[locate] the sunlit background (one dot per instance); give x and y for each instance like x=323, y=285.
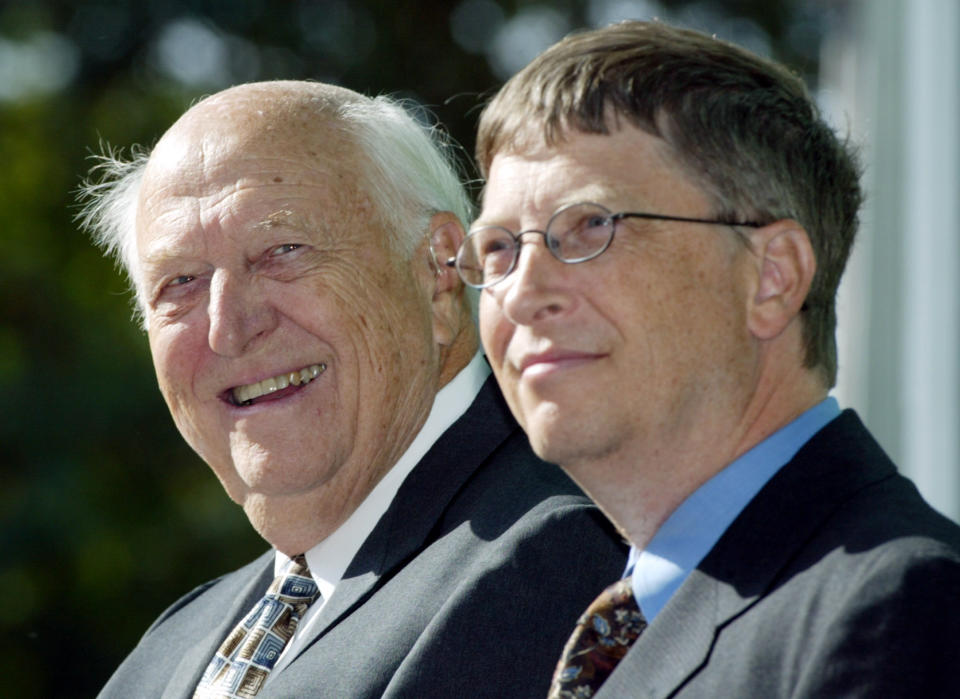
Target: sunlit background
x=107, y=516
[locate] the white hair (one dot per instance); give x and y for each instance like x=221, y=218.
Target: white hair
x=410, y=170
x=109, y=210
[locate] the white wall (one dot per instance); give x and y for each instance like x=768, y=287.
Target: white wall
x=891, y=76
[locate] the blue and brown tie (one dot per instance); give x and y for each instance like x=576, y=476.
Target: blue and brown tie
x=602, y=637
x=242, y=662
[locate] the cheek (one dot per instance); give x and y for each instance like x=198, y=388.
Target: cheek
x=495, y=330
x=695, y=318
x=166, y=350
x=176, y=352
x=381, y=327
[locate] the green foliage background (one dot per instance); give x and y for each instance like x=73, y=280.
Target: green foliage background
x=107, y=516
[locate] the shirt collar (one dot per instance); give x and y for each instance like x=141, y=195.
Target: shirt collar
x=696, y=525
x=329, y=559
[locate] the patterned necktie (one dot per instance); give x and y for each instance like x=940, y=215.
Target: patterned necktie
x=241, y=664
x=602, y=637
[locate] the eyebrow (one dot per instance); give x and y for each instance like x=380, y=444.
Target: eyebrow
x=157, y=256
x=161, y=252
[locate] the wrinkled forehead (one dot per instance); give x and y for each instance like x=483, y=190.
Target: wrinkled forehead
x=238, y=169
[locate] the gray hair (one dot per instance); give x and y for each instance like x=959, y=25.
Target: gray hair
x=411, y=172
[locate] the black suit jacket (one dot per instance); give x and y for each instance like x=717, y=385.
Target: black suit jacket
x=467, y=587
x=837, y=580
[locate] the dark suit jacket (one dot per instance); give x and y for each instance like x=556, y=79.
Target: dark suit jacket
x=837, y=580
x=467, y=587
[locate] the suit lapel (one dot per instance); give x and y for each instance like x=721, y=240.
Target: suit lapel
x=232, y=598
x=745, y=563
x=420, y=502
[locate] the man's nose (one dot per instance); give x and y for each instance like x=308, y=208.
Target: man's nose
x=536, y=290
x=239, y=315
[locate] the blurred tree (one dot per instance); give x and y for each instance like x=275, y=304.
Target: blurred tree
x=107, y=515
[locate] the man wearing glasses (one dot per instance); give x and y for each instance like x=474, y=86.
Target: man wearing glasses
x=665, y=222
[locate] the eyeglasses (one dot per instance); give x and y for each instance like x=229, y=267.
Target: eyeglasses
x=575, y=233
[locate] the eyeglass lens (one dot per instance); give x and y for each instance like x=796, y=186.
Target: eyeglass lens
x=574, y=234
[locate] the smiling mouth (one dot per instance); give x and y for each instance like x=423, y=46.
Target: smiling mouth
x=270, y=388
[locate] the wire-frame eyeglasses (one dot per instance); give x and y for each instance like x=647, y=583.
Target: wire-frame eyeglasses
x=575, y=233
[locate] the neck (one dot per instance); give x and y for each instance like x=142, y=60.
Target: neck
x=641, y=485
x=296, y=523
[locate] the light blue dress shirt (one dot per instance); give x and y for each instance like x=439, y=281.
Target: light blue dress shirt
x=694, y=527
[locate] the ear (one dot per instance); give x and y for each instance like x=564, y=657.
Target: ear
x=786, y=265
x=449, y=305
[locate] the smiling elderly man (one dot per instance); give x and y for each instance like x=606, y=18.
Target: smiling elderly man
x=664, y=225
x=281, y=239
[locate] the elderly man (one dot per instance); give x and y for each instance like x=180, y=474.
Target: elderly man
x=664, y=225
x=282, y=240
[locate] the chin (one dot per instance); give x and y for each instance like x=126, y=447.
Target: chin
x=553, y=446
x=549, y=435
x=268, y=469
x=570, y=447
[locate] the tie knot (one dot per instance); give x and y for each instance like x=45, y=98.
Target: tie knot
x=295, y=585
x=612, y=619
x=616, y=595
x=298, y=565
x=602, y=637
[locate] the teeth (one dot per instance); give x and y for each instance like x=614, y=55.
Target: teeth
x=244, y=394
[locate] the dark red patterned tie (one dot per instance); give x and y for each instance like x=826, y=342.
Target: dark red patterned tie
x=602, y=637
